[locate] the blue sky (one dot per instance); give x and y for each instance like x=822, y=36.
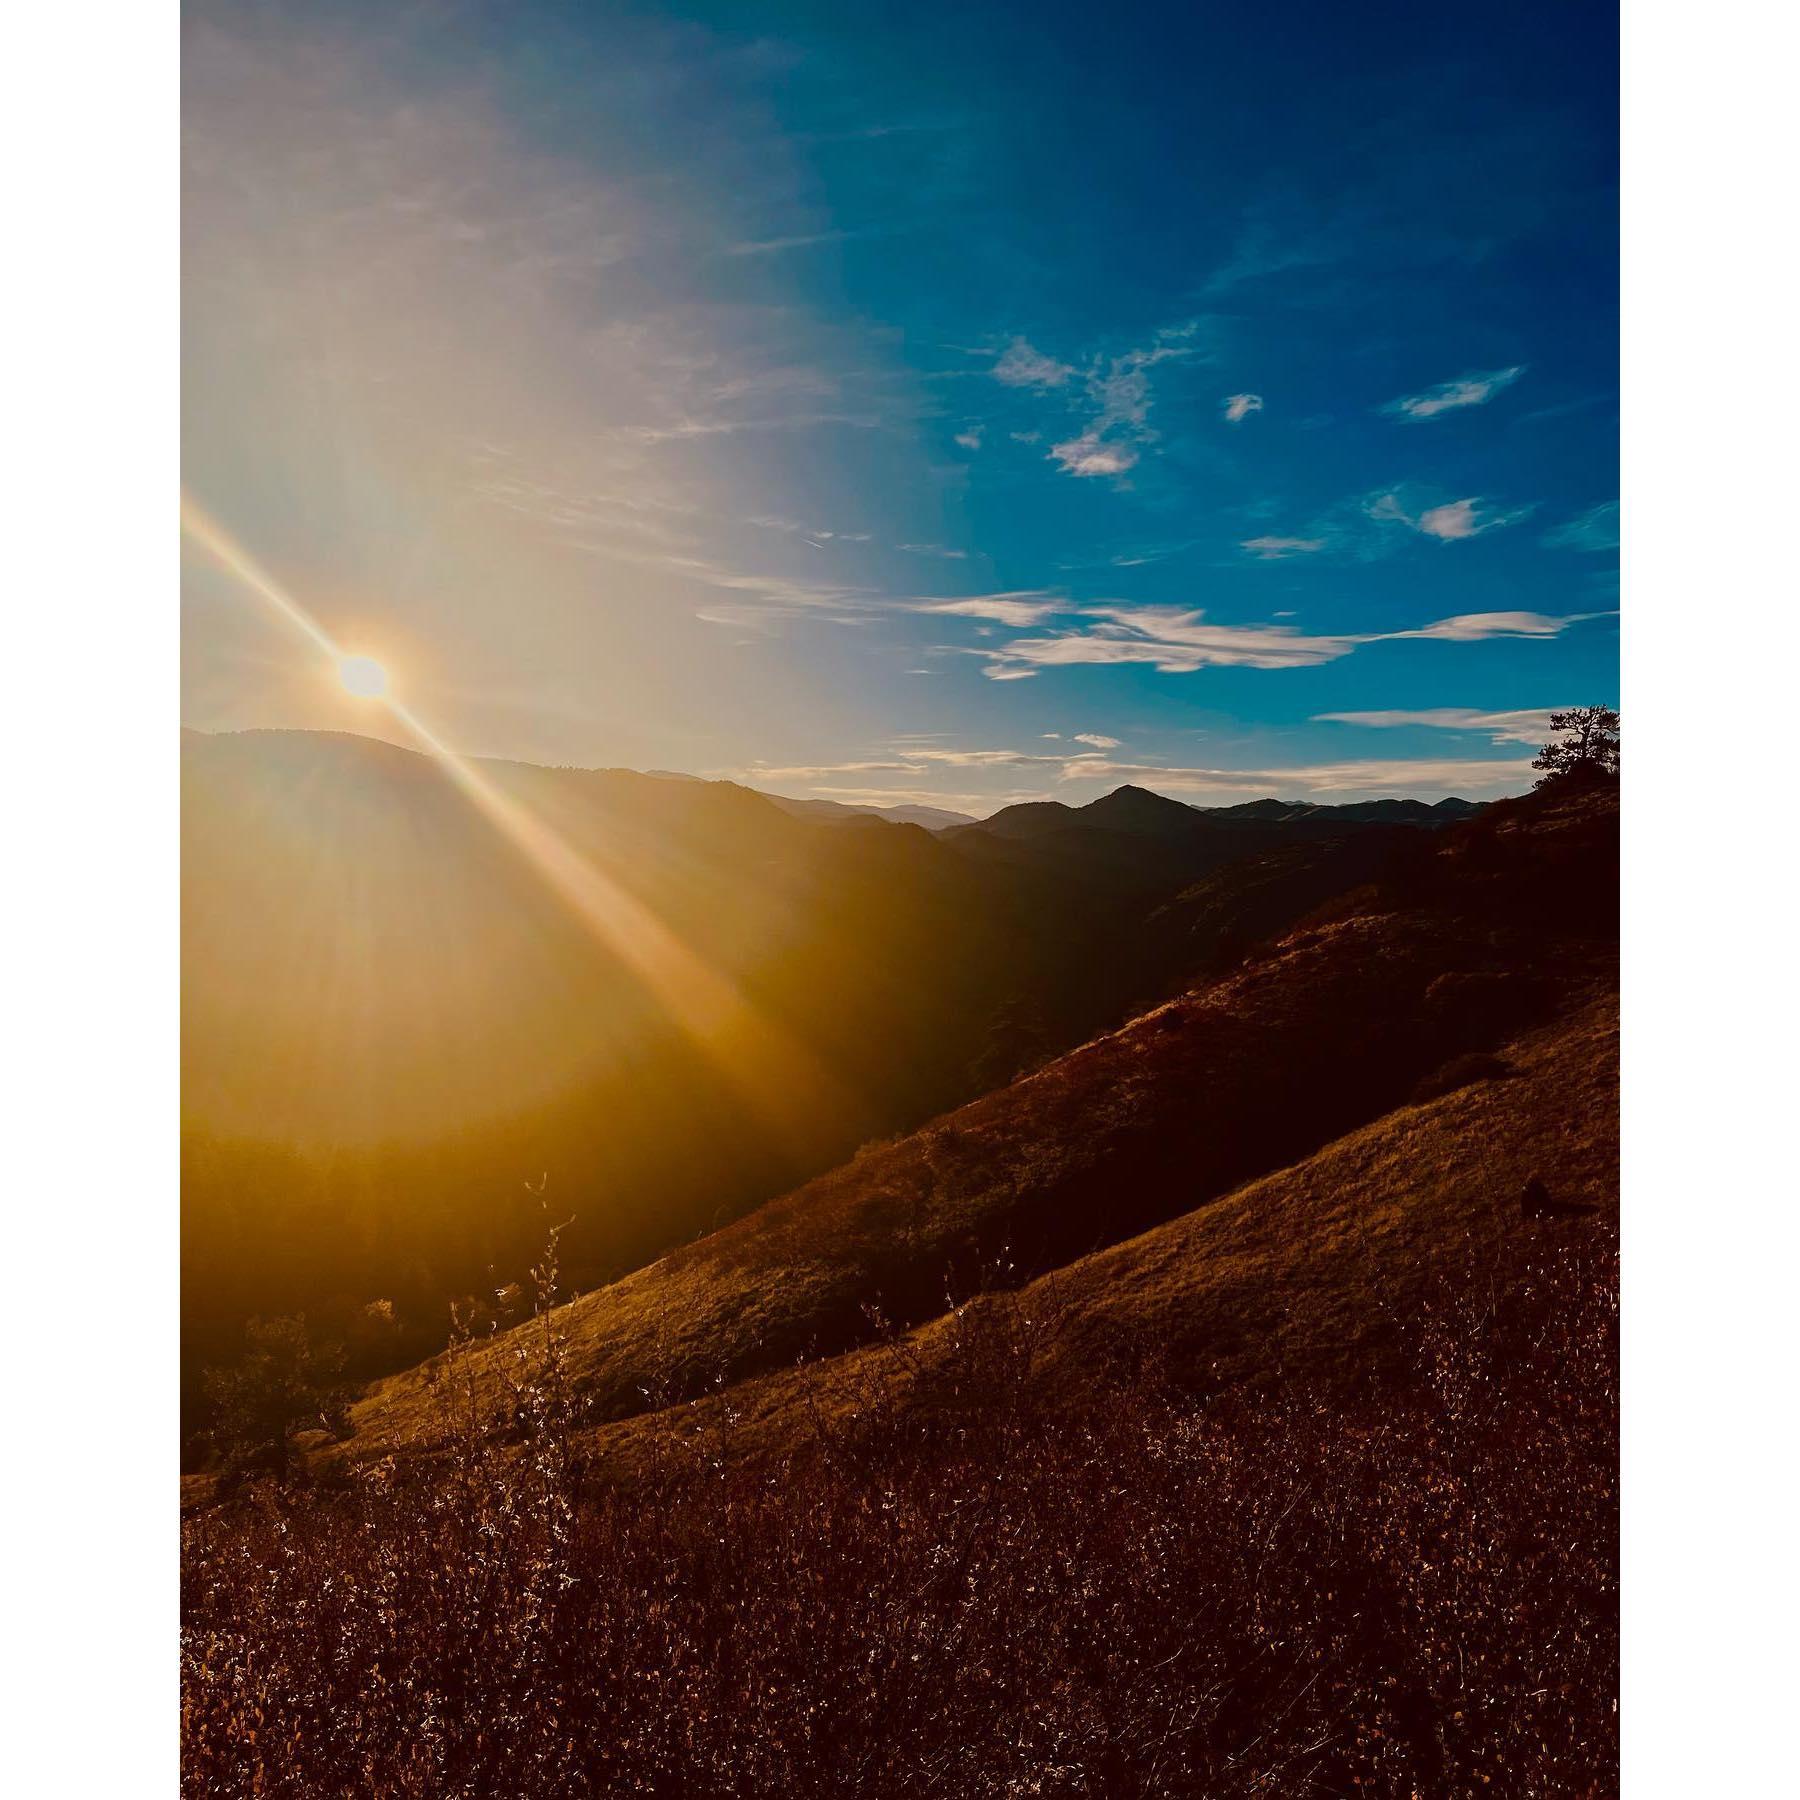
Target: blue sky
x=929, y=402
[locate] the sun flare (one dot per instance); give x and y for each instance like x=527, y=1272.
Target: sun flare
x=363, y=676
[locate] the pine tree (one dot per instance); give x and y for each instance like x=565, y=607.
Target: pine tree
x=1587, y=747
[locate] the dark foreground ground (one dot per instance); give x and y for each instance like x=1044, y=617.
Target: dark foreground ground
x=1405, y=1591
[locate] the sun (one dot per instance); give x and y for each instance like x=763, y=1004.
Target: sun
x=363, y=676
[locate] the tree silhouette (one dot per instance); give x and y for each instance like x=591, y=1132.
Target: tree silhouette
x=1587, y=746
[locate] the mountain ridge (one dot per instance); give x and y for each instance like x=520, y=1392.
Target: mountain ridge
x=1139, y=809
x=1129, y=806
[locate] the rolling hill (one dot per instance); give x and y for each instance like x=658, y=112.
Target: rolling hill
x=1311, y=1274
x=393, y=1018
x=1304, y=1060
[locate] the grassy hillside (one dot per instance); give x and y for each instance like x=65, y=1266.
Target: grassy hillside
x=1315, y=1274
x=1328, y=1030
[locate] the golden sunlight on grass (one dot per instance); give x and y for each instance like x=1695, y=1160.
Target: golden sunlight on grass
x=363, y=676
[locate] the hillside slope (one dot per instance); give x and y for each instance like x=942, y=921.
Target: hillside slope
x=1312, y=1274
x=1328, y=1031
x=394, y=1017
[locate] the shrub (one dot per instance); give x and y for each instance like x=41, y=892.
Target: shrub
x=284, y=1385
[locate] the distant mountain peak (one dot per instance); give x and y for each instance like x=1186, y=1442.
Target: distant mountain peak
x=1133, y=808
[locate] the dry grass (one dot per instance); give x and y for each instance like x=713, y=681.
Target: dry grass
x=1307, y=1274
x=1406, y=1595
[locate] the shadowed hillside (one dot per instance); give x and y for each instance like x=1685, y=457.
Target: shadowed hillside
x=393, y=1019
x=1493, y=928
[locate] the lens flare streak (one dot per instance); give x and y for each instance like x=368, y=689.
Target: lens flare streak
x=788, y=1088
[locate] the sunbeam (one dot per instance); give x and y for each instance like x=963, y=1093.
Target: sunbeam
x=788, y=1088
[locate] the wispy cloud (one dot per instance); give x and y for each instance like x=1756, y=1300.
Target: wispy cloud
x=1178, y=641
x=1171, y=639
x=970, y=437
x=1595, y=529
x=1272, y=242
x=942, y=550
x=1276, y=549
x=1450, y=522
x=1475, y=628
x=1452, y=396
x=1092, y=454
x=678, y=429
x=1137, y=557
x=1118, y=390
x=867, y=133
x=808, y=771
x=1098, y=740
x=984, y=759
x=1420, y=777
x=816, y=535
x=656, y=537
x=913, y=759
x=756, y=598
x=803, y=240
x=1021, y=366
x=1238, y=407
x=1530, y=725
x=1368, y=527
x=1019, y=607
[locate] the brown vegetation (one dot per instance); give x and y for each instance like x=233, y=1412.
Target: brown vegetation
x=1414, y=1595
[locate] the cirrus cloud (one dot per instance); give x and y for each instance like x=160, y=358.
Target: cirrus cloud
x=1530, y=725
x=1277, y=549
x=1091, y=454
x=1019, y=608
x=1021, y=366
x=1449, y=522
x=1118, y=392
x=1452, y=396
x=1419, y=777
x=1595, y=529
x=1179, y=640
